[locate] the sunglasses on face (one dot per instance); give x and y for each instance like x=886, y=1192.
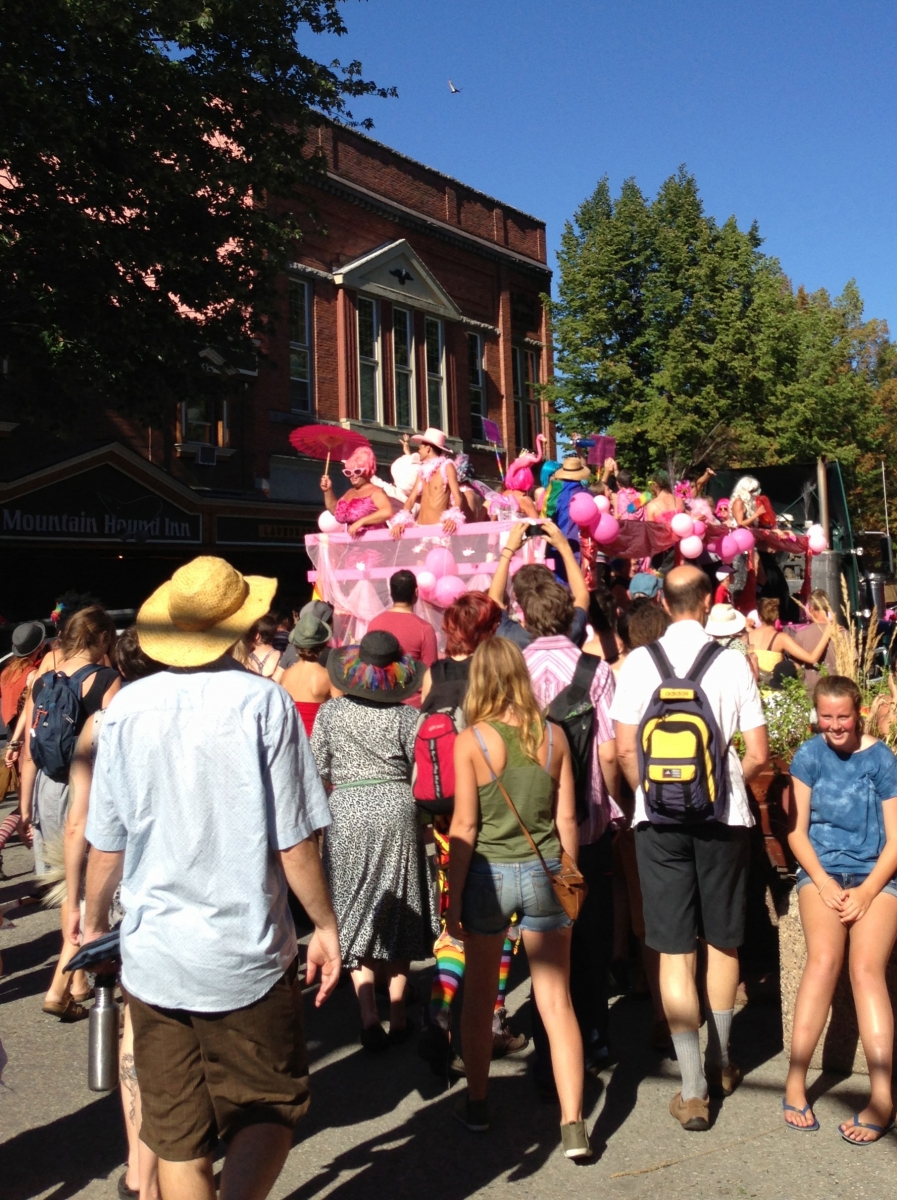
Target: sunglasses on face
x=351, y=472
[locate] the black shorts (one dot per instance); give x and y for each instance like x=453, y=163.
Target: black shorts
x=694, y=884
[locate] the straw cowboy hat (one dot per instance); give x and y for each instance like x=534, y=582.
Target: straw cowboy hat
x=573, y=469
x=724, y=621
x=376, y=669
x=204, y=608
x=435, y=438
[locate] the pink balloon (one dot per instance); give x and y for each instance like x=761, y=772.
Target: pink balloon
x=448, y=589
x=602, y=504
x=327, y=523
x=729, y=548
x=441, y=562
x=816, y=531
x=607, y=530
x=583, y=510
x=700, y=529
x=682, y=525
x=426, y=584
x=818, y=544
x=744, y=538
x=691, y=547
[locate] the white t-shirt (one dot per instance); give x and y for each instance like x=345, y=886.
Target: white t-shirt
x=728, y=685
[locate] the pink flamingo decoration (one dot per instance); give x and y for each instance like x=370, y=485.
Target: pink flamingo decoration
x=519, y=480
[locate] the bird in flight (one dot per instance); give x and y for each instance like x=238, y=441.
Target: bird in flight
x=452, y=88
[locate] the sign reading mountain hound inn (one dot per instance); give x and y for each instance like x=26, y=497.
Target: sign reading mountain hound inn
x=101, y=504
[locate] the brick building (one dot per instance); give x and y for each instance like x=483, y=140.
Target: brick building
x=414, y=300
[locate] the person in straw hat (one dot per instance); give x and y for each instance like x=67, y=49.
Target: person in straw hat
x=436, y=489
x=204, y=805
x=363, y=743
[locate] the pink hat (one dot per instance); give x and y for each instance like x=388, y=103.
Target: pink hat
x=433, y=437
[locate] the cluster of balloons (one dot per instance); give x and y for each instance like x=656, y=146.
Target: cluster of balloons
x=439, y=583
x=593, y=513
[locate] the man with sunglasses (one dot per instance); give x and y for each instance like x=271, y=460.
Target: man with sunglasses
x=364, y=506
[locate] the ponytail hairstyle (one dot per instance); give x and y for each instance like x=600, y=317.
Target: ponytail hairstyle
x=89, y=631
x=500, y=681
x=837, y=687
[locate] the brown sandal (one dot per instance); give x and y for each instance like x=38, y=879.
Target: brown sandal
x=68, y=1013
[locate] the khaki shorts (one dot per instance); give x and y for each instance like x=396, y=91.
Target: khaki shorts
x=205, y=1076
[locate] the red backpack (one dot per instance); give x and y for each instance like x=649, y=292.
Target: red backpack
x=433, y=775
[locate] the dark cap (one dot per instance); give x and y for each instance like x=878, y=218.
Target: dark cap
x=27, y=638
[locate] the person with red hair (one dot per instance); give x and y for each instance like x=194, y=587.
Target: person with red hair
x=364, y=506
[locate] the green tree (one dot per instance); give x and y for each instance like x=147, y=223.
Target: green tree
x=140, y=144
x=683, y=339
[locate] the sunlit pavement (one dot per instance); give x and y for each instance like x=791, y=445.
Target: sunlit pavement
x=382, y=1126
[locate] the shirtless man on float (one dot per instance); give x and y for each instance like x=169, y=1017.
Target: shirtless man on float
x=436, y=490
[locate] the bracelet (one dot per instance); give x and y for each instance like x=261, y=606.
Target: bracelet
x=820, y=890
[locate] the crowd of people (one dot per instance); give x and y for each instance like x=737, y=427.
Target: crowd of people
x=224, y=757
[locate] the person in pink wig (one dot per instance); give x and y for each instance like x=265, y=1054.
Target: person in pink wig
x=364, y=506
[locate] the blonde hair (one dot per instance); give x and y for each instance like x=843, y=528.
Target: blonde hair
x=819, y=602
x=499, y=681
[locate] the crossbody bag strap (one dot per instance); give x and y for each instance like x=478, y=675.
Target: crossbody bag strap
x=510, y=804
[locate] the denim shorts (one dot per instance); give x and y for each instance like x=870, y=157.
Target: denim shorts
x=494, y=892
x=847, y=881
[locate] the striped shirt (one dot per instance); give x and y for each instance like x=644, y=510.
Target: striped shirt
x=552, y=663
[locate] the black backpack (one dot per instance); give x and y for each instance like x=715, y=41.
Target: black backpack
x=681, y=753
x=59, y=717
x=572, y=710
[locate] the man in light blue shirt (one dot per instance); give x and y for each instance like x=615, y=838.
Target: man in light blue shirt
x=205, y=803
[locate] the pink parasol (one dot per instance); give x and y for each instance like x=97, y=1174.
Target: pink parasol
x=322, y=441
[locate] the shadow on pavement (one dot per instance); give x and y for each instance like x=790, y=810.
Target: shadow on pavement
x=63, y=1157
x=28, y=967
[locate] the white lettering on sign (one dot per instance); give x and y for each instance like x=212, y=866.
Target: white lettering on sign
x=17, y=521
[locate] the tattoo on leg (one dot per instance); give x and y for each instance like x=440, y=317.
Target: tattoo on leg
x=128, y=1077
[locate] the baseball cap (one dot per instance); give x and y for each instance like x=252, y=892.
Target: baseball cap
x=644, y=584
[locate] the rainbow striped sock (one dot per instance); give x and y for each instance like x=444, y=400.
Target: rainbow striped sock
x=446, y=978
x=507, y=953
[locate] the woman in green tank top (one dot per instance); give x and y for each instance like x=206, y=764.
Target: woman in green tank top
x=494, y=873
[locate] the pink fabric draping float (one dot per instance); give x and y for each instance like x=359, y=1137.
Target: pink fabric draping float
x=353, y=574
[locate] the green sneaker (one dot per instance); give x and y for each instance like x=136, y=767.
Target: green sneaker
x=575, y=1140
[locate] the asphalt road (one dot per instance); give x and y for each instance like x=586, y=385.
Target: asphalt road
x=381, y=1125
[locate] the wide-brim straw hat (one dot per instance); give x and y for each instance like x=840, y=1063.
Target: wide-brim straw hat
x=724, y=621
x=573, y=469
x=203, y=610
x=376, y=669
x=433, y=437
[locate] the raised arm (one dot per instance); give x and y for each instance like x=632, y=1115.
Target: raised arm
x=575, y=578
x=498, y=589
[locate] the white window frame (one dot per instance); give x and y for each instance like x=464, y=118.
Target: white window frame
x=404, y=371
x=477, y=383
x=372, y=364
x=524, y=397
x=301, y=347
x=432, y=376
x=218, y=425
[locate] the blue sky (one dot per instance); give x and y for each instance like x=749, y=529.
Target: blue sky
x=784, y=111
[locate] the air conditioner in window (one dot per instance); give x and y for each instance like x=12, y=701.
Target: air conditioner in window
x=206, y=456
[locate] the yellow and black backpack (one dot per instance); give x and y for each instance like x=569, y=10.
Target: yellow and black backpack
x=681, y=752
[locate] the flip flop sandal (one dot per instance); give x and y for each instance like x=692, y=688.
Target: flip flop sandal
x=881, y=1130
x=68, y=1013
x=801, y=1112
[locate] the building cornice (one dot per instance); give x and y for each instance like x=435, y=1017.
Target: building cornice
x=409, y=217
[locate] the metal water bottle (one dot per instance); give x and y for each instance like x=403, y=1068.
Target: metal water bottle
x=102, y=1039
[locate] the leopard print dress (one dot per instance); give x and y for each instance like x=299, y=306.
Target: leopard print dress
x=380, y=879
